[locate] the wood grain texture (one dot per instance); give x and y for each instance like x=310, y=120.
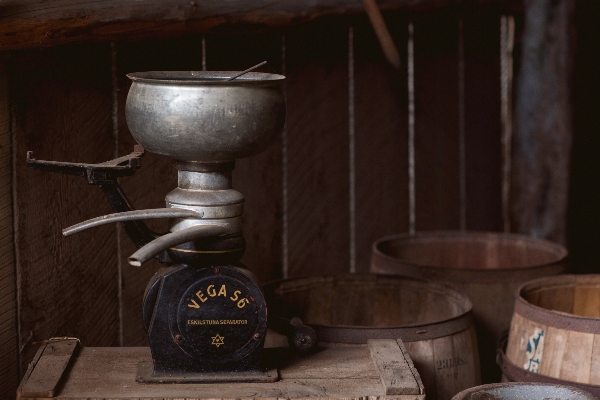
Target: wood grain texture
x=317, y=129
x=34, y=23
x=381, y=118
x=396, y=374
x=9, y=367
x=45, y=379
x=259, y=178
x=62, y=107
x=110, y=373
x=481, y=32
x=543, y=124
x=436, y=121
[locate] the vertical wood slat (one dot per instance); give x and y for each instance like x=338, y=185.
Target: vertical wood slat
x=381, y=108
x=483, y=149
x=62, y=111
x=9, y=367
x=436, y=122
x=317, y=128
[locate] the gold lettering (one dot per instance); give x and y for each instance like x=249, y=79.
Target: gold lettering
x=201, y=296
x=235, y=295
x=222, y=291
x=242, y=303
x=211, y=290
x=194, y=305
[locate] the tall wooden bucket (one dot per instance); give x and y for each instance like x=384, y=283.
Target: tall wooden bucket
x=555, y=332
x=487, y=267
x=434, y=321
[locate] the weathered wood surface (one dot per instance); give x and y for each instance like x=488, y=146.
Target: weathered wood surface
x=50, y=363
x=35, y=23
x=543, y=124
x=483, y=164
x=436, y=122
x=335, y=373
x=62, y=111
x=317, y=143
x=381, y=137
x=394, y=368
x=9, y=367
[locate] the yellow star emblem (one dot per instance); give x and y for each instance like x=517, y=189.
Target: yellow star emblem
x=217, y=340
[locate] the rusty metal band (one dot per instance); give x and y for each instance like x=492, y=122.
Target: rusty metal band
x=360, y=334
x=516, y=374
x=556, y=319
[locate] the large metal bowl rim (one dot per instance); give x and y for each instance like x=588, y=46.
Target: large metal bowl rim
x=205, y=78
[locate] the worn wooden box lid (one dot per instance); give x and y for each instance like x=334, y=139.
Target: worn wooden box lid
x=380, y=370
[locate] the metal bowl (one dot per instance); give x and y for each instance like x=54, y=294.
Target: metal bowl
x=199, y=116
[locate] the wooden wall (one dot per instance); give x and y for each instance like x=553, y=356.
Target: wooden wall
x=338, y=178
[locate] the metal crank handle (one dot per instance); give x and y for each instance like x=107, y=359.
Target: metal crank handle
x=169, y=240
x=132, y=216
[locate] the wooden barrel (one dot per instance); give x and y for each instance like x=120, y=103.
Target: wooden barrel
x=555, y=332
x=519, y=391
x=434, y=321
x=487, y=267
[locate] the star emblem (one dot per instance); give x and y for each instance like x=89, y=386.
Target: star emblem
x=217, y=340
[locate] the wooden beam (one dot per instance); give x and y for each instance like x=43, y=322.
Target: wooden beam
x=40, y=23
x=543, y=125
x=9, y=350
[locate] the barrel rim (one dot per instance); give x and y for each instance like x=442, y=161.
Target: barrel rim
x=557, y=319
x=474, y=274
x=463, y=395
x=408, y=332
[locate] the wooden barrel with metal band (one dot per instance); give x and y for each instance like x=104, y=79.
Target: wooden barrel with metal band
x=555, y=333
x=487, y=266
x=433, y=320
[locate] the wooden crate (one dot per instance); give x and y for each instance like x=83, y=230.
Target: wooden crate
x=380, y=370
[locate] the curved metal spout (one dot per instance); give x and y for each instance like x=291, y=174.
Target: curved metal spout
x=132, y=216
x=169, y=240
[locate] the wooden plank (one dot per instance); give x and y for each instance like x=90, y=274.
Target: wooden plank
x=62, y=111
x=31, y=23
x=554, y=351
x=543, y=131
x=317, y=132
x=481, y=35
x=325, y=364
x=421, y=354
x=595, y=364
x=381, y=118
x=259, y=178
x=576, y=362
x=436, y=121
x=9, y=367
x=110, y=373
x=396, y=374
x=586, y=301
x=50, y=370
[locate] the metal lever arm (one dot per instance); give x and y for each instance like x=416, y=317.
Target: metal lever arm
x=105, y=176
x=169, y=240
x=132, y=216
